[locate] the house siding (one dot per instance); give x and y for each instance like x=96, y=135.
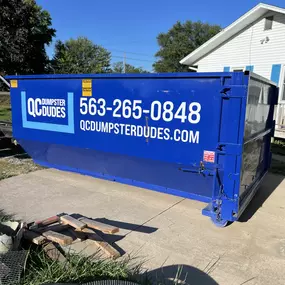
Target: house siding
x=245, y=49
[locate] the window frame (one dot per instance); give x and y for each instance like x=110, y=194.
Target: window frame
x=281, y=86
x=238, y=68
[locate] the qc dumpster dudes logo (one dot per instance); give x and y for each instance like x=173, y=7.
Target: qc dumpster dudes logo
x=49, y=114
x=51, y=108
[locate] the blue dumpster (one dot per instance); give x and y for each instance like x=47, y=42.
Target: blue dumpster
x=203, y=136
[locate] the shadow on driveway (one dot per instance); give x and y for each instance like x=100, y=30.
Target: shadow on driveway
x=180, y=274
x=269, y=184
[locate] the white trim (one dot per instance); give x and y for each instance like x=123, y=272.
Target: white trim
x=237, y=26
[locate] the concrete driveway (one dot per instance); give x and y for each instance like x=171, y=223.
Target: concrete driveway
x=163, y=230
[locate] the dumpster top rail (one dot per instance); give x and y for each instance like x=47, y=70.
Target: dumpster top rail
x=124, y=75
x=173, y=75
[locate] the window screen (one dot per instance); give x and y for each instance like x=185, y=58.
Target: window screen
x=268, y=23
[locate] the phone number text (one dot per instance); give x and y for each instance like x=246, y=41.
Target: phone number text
x=167, y=111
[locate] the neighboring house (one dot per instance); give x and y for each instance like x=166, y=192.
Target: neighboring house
x=255, y=42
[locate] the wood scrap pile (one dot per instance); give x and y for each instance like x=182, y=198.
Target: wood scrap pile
x=62, y=230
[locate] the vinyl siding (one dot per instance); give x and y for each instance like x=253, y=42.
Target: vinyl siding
x=245, y=49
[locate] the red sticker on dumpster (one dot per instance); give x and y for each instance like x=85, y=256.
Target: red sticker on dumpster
x=209, y=156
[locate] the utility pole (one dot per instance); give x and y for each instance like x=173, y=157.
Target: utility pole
x=124, y=63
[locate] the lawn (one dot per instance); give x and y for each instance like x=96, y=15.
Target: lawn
x=5, y=108
x=5, y=113
x=78, y=268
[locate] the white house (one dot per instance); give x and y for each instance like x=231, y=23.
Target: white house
x=256, y=42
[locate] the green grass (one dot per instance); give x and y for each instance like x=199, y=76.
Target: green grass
x=40, y=269
x=5, y=113
x=278, y=147
x=5, y=108
x=4, y=99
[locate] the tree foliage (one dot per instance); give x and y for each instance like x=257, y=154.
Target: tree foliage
x=80, y=56
x=179, y=41
x=25, y=29
x=118, y=67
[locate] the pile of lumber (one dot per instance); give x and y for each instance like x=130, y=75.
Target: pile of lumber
x=62, y=230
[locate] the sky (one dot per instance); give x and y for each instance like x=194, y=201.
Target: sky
x=131, y=26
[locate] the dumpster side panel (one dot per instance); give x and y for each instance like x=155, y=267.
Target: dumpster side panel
x=259, y=128
x=156, y=132
x=155, y=175
x=169, y=138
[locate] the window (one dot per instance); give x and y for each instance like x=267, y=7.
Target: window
x=268, y=23
x=239, y=68
x=283, y=91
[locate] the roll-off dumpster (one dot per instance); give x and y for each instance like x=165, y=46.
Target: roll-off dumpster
x=204, y=136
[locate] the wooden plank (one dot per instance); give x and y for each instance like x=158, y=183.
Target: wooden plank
x=57, y=237
x=80, y=236
x=101, y=243
x=73, y=222
x=53, y=253
x=34, y=237
x=48, y=221
x=45, y=222
x=99, y=226
x=55, y=228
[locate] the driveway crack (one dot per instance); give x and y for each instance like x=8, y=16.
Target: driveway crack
x=157, y=215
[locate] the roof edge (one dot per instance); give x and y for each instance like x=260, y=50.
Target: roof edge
x=227, y=29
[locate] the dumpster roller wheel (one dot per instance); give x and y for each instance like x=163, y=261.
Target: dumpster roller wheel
x=219, y=222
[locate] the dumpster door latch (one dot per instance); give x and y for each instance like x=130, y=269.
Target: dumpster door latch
x=200, y=170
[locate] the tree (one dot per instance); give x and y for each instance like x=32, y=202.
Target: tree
x=25, y=29
x=118, y=67
x=179, y=41
x=80, y=56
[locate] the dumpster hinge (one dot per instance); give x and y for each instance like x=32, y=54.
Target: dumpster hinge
x=214, y=208
x=225, y=90
x=233, y=92
x=229, y=148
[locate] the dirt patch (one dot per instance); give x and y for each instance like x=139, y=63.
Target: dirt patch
x=12, y=166
x=277, y=166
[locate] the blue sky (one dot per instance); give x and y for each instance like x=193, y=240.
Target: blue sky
x=132, y=25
